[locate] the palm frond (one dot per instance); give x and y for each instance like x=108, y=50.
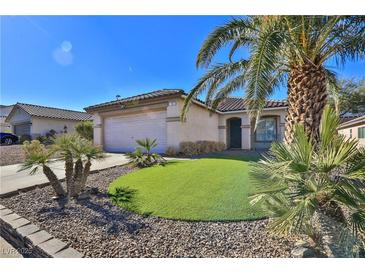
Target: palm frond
x=236, y=29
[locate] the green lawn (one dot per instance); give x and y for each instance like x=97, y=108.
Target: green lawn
x=204, y=189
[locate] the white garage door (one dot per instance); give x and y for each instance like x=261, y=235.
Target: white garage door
x=121, y=132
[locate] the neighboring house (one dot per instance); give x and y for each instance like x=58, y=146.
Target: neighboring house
x=118, y=124
x=34, y=120
x=4, y=112
x=354, y=128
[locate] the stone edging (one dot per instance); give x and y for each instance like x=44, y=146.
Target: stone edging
x=30, y=240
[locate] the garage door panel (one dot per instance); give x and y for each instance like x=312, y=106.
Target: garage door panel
x=121, y=132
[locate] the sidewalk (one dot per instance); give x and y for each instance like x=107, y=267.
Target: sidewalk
x=12, y=181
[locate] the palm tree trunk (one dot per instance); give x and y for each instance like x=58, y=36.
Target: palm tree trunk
x=56, y=185
x=307, y=97
x=69, y=169
x=85, y=174
x=78, y=176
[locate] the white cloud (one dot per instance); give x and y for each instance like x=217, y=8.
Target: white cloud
x=130, y=69
x=62, y=54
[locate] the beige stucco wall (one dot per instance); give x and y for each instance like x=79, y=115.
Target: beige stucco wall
x=346, y=132
x=4, y=126
x=248, y=134
x=200, y=124
x=41, y=126
x=98, y=129
x=19, y=117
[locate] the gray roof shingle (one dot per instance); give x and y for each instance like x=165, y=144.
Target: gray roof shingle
x=229, y=104
x=56, y=113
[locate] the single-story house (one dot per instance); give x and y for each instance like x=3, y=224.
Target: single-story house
x=119, y=123
x=4, y=112
x=34, y=120
x=354, y=128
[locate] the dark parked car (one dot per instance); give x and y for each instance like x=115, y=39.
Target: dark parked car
x=8, y=138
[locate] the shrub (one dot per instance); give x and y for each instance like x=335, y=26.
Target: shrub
x=25, y=137
x=201, y=147
x=44, y=139
x=85, y=129
x=170, y=151
x=143, y=156
x=189, y=148
x=51, y=134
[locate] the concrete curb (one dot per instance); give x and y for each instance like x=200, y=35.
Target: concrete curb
x=30, y=240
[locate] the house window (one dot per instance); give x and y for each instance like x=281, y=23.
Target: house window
x=361, y=133
x=266, y=130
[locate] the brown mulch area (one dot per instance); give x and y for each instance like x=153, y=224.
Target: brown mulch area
x=97, y=228
x=10, y=155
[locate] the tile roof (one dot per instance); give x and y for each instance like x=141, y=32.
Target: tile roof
x=229, y=104
x=5, y=110
x=56, y=113
x=149, y=95
x=352, y=122
x=237, y=104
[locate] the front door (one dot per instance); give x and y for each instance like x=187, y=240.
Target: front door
x=235, y=133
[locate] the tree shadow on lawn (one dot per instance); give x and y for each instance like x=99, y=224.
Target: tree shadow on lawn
x=114, y=219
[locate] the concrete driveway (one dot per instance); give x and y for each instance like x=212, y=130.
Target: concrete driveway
x=11, y=180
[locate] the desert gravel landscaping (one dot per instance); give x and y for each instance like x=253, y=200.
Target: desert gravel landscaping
x=11, y=155
x=97, y=228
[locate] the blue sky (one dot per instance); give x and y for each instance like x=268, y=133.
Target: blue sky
x=76, y=61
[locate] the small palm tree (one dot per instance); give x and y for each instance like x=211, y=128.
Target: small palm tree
x=295, y=182
x=143, y=156
x=87, y=153
x=291, y=49
x=38, y=156
x=77, y=153
x=147, y=144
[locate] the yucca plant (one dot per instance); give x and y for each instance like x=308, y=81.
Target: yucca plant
x=297, y=183
x=37, y=155
x=143, y=156
x=281, y=49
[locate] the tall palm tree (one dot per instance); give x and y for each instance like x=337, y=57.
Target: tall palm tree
x=291, y=49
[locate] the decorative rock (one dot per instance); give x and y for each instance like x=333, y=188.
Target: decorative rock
x=39, y=237
x=68, y=253
x=302, y=243
x=97, y=228
x=83, y=196
x=27, y=230
x=303, y=252
x=52, y=246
